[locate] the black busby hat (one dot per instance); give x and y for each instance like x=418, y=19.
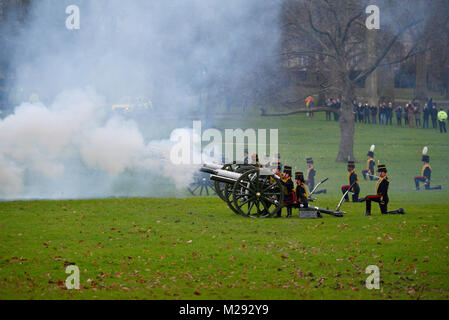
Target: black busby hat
x=351, y=164
x=299, y=176
x=278, y=155
x=425, y=157
x=381, y=168
x=288, y=170
x=309, y=161
x=255, y=157
x=245, y=151
x=371, y=151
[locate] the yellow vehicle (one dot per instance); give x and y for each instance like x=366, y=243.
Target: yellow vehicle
x=139, y=104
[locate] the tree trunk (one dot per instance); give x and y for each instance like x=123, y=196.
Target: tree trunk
x=371, y=91
x=347, y=128
x=421, y=77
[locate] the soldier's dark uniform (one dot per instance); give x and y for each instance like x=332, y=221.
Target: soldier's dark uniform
x=255, y=161
x=288, y=188
x=353, y=181
x=370, y=164
x=426, y=174
x=381, y=196
x=302, y=198
x=311, y=173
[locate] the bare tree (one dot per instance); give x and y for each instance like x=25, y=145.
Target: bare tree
x=335, y=32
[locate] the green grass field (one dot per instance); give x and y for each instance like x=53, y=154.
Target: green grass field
x=196, y=248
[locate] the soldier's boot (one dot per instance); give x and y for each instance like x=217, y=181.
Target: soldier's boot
x=399, y=211
x=289, y=212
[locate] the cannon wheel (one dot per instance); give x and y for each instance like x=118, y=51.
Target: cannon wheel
x=220, y=187
x=201, y=186
x=226, y=189
x=257, y=196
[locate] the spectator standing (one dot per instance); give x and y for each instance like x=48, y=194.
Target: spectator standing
x=411, y=116
x=374, y=114
x=390, y=114
x=442, y=117
x=434, y=115
x=360, y=112
x=426, y=115
x=337, y=107
x=399, y=116
x=405, y=112
x=328, y=113
x=417, y=113
x=366, y=113
x=382, y=111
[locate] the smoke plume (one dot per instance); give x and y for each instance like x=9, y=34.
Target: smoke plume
x=70, y=144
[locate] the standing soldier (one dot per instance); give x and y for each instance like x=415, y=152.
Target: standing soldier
x=289, y=195
x=353, y=183
x=311, y=172
x=381, y=196
x=245, y=157
x=426, y=173
x=302, y=197
x=255, y=161
x=370, y=164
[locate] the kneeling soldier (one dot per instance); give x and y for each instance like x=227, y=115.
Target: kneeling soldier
x=381, y=196
x=289, y=195
x=371, y=164
x=353, y=181
x=426, y=173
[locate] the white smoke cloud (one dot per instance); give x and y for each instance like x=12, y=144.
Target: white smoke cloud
x=50, y=143
x=71, y=145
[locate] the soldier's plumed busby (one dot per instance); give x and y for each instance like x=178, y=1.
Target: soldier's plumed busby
x=288, y=170
x=371, y=151
x=425, y=157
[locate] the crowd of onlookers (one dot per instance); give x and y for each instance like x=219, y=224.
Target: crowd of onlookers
x=411, y=114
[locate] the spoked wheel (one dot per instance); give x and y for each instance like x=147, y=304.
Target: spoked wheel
x=201, y=186
x=220, y=186
x=257, y=196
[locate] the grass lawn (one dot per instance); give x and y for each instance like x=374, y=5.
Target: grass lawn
x=196, y=248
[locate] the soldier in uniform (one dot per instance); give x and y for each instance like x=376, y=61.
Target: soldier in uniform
x=381, y=196
x=245, y=159
x=370, y=164
x=426, y=173
x=255, y=161
x=353, y=181
x=311, y=172
x=289, y=194
x=302, y=197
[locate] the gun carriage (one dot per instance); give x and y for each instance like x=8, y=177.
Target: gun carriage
x=253, y=192
x=248, y=190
